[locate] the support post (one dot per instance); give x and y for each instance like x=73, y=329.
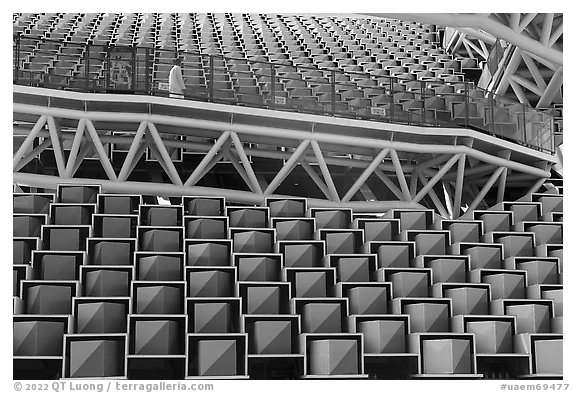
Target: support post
x=245, y=162
x=333, y=92
x=17, y=59
x=164, y=153
x=75, y=147
x=272, y=85
x=211, y=87
x=459, y=184
x=502, y=186
x=125, y=172
x=56, y=145
x=104, y=160
x=325, y=171
x=400, y=175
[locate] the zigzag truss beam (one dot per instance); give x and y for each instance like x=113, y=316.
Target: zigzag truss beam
x=411, y=173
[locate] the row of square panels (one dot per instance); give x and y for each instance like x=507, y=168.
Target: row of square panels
x=541, y=314
x=503, y=219
x=512, y=282
x=385, y=337
x=531, y=208
x=218, y=227
x=503, y=250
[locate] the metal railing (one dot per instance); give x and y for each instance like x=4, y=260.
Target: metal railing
x=372, y=95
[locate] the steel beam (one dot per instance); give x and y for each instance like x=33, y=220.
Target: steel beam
x=164, y=153
x=325, y=172
x=487, y=186
x=389, y=183
x=102, y=156
x=315, y=178
x=78, y=137
x=56, y=145
x=488, y=25
x=245, y=162
x=134, y=147
x=345, y=140
x=502, y=186
x=400, y=176
x=459, y=184
x=435, y=200
x=365, y=175
x=287, y=168
x=33, y=154
x=552, y=89
x=29, y=140
x=432, y=182
x=195, y=175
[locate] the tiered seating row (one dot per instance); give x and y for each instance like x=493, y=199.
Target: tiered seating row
x=305, y=51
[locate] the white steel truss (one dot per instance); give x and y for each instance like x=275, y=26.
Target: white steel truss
x=532, y=63
x=444, y=177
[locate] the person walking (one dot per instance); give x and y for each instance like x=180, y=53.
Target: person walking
x=176, y=80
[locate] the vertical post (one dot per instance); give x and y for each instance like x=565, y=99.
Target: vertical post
x=391, y=80
x=17, y=57
x=272, y=85
x=524, y=123
x=147, y=70
x=422, y=100
x=211, y=88
x=87, y=67
x=466, y=105
x=134, y=69
x=492, y=127
x=333, y=92
x=107, y=67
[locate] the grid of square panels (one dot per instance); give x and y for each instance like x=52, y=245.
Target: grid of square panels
x=106, y=286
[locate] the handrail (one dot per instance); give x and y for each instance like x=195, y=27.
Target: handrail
x=467, y=106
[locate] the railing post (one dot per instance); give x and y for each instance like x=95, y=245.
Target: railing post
x=17, y=59
x=466, y=105
x=333, y=92
x=211, y=88
x=147, y=70
x=272, y=85
x=134, y=69
x=492, y=127
x=524, y=123
x=391, y=84
x=107, y=67
x=87, y=67
x=422, y=100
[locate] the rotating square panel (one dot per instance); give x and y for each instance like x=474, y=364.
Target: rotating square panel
x=94, y=356
x=118, y=204
x=286, y=207
x=206, y=227
x=208, y=252
x=106, y=281
x=203, y=206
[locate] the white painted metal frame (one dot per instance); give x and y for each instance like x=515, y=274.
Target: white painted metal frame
x=392, y=173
